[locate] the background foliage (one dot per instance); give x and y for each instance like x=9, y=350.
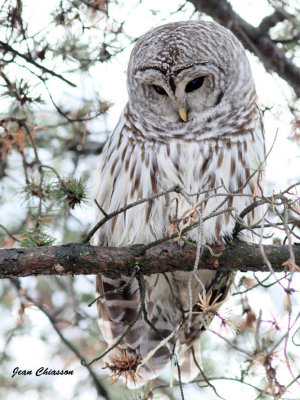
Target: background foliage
x=62, y=87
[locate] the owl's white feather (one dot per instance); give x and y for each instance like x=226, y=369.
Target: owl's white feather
x=151, y=150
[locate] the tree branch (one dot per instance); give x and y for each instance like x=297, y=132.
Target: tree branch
x=271, y=20
x=6, y=47
x=254, y=39
x=99, y=387
x=79, y=259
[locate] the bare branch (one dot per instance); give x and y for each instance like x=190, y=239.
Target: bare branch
x=7, y=47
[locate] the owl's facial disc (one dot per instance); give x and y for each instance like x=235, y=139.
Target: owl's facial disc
x=178, y=95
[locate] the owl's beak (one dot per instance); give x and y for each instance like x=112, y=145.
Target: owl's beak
x=183, y=113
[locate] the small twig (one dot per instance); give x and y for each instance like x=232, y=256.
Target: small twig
x=179, y=380
x=119, y=290
x=207, y=380
x=41, y=172
x=121, y=210
x=142, y=288
x=64, y=114
x=256, y=334
x=9, y=234
x=198, y=254
x=259, y=284
x=232, y=345
x=101, y=209
x=265, y=258
x=224, y=378
x=163, y=342
x=132, y=323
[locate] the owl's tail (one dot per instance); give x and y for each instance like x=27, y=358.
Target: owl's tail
x=117, y=311
x=141, y=353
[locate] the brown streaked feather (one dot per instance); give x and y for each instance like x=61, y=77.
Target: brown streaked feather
x=151, y=150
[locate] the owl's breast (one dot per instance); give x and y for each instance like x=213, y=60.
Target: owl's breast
x=206, y=171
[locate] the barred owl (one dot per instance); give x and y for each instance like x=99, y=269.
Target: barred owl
x=192, y=121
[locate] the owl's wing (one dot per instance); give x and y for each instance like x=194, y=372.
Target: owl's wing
x=117, y=310
x=121, y=310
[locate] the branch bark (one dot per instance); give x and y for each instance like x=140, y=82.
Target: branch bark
x=79, y=259
x=256, y=40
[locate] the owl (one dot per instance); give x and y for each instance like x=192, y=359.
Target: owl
x=192, y=121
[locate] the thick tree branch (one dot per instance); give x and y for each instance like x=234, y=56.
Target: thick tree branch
x=254, y=39
x=79, y=259
x=271, y=20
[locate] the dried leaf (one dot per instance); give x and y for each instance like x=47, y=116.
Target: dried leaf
x=7, y=242
x=6, y=146
x=20, y=139
x=248, y=282
x=288, y=303
x=249, y=321
x=292, y=266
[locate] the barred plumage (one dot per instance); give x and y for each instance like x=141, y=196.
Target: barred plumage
x=153, y=149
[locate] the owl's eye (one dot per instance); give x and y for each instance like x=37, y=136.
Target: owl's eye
x=194, y=84
x=159, y=90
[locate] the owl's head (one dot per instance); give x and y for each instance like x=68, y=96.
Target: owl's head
x=182, y=71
